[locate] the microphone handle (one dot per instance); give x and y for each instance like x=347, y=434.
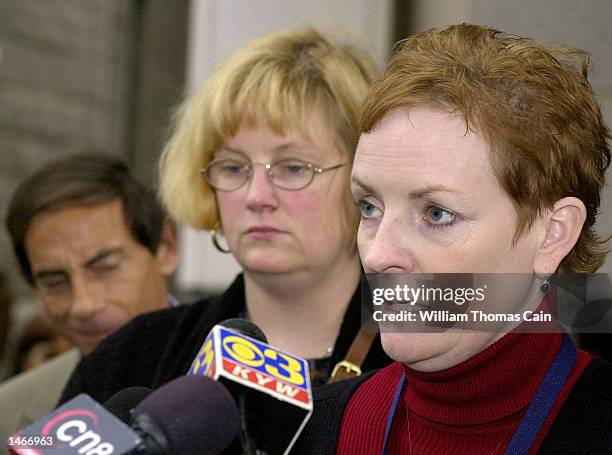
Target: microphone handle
x=248, y=444
x=152, y=439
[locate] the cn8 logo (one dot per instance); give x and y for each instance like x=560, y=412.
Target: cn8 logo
x=74, y=427
x=265, y=359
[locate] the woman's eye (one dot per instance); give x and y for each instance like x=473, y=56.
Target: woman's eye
x=232, y=168
x=294, y=167
x=439, y=217
x=368, y=210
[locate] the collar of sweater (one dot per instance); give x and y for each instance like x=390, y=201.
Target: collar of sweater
x=493, y=385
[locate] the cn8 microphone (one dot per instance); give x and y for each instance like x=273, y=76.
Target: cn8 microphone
x=80, y=426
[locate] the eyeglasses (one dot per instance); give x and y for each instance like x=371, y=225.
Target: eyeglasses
x=289, y=174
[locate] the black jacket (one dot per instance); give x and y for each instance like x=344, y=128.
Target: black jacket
x=584, y=425
x=157, y=347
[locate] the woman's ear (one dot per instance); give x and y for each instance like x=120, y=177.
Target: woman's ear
x=563, y=226
x=166, y=255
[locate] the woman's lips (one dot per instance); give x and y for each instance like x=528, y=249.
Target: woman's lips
x=263, y=232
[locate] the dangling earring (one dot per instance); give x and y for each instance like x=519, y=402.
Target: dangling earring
x=215, y=241
x=545, y=285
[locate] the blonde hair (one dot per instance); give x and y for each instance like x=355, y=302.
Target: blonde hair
x=534, y=106
x=277, y=80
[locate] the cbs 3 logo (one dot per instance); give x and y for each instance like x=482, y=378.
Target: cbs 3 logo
x=273, y=362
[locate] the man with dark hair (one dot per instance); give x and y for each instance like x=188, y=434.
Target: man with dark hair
x=97, y=249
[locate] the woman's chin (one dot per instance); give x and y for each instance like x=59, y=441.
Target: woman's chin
x=421, y=351
x=269, y=263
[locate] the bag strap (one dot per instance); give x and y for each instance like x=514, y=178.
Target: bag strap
x=351, y=365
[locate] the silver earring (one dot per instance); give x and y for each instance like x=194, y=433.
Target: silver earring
x=215, y=241
x=545, y=286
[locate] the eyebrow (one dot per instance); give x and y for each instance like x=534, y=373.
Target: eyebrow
x=45, y=273
x=430, y=189
x=102, y=255
x=49, y=273
x=357, y=181
x=279, y=148
x=414, y=194
x=225, y=148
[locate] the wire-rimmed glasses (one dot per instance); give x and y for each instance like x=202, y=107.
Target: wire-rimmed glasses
x=289, y=174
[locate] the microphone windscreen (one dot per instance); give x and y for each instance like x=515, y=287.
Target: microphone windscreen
x=122, y=403
x=245, y=327
x=196, y=415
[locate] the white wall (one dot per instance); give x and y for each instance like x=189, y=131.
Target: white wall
x=219, y=27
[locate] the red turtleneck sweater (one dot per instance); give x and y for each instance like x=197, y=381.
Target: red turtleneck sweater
x=472, y=408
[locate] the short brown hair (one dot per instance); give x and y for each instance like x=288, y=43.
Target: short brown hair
x=84, y=179
x=531, y=103
x=276, y=80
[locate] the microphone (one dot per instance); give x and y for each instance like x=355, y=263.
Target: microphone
x=248, y=328
x=122, y=403
x=271, y=387
x=186, y=416
x=80, y=426
x=245, y=327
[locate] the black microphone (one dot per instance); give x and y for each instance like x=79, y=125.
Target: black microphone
x=245, y=327
x=123, y=402
x=271, y=387
x=187, y=416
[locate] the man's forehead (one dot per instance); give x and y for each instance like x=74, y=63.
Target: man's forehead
x=76, y=234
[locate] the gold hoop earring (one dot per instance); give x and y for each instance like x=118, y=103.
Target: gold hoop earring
x=215, y=242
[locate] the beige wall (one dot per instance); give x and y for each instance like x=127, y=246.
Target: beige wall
x=84, y=75
x=63, y=88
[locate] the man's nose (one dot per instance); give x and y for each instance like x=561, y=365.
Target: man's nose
x=86, y=299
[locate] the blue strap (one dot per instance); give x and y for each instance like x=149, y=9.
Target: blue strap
x=536, y=413
x=391, y=415
x=173, y=301
x=545, y=398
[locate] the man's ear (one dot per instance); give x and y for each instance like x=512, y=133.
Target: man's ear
x=563, y=225
x=166, y=255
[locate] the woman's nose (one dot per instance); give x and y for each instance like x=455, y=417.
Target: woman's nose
x=261, y=194
x=385, y=251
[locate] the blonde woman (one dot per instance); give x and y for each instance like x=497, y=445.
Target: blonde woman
x=261, y=154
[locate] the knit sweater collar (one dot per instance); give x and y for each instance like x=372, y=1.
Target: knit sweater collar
x=495, y=384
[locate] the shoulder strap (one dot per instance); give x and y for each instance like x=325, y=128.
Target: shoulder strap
x=358, y=351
